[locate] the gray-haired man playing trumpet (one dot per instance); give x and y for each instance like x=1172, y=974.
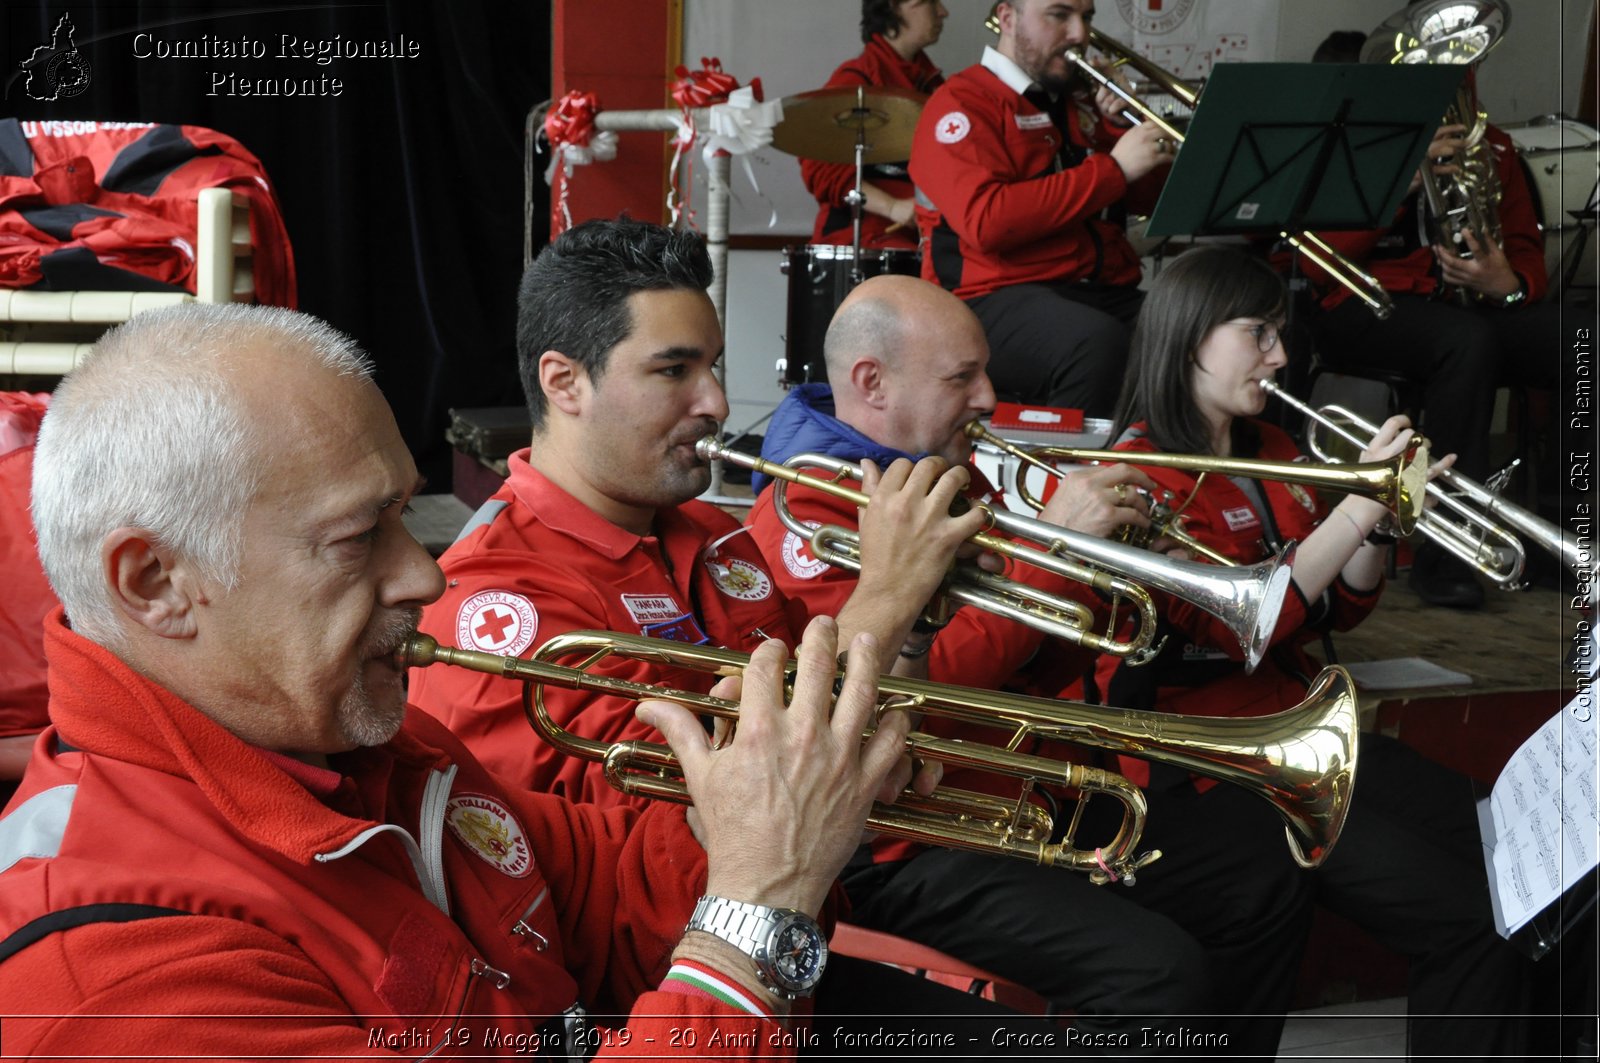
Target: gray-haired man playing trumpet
x=236, y=838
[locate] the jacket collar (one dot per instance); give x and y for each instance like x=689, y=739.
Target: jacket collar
x=1006, y=69
x=557, y=510
x=804, y=423
x=101, y=706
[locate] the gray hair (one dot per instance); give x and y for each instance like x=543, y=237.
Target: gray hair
x=149, y=433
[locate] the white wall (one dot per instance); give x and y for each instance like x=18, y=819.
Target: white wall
x=793, y=45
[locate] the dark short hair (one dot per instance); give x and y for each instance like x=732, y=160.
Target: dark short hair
x=1340, y=46
x=879, y=16
x=574, y=297
x=1193, y=294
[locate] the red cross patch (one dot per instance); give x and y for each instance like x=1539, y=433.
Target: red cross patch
x=497, y=622
x=952, y=127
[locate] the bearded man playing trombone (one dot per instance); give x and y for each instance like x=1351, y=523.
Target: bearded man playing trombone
x=907, y=372
x=1016, y=170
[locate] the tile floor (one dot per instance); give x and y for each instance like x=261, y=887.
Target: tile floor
x=1372, y=1029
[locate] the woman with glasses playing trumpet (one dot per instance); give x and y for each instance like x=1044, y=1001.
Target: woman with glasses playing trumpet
x=1409, y=867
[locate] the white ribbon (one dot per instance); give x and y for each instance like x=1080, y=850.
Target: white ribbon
x=602, y=147
x=742, y=126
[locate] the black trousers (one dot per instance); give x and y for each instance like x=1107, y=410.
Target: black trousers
x=1059, y=344
x=1458, y=355
x=1409, y=869
x=1206, y=944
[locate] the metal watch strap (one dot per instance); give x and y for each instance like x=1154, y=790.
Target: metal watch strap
x=747, y=927
x=744, y=926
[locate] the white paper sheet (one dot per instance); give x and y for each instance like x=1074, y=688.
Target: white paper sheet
x=1541, y=826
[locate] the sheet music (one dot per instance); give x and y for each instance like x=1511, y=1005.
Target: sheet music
x=1541, y=827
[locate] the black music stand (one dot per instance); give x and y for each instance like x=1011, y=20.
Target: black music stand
x=1275, y=149
x=1284, y=147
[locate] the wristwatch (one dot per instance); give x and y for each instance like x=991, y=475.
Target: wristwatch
x=787, y=946
x=1516, y=297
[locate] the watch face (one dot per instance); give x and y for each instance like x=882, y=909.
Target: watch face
x=798, y=954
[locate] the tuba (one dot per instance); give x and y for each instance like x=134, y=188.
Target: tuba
x=1302, y=760
x=1461, y=33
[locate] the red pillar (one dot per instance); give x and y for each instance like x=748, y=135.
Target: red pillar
x=623, y=51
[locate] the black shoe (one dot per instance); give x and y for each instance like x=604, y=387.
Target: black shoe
x=1440, y=578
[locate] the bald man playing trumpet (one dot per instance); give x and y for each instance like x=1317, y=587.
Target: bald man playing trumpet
x=907, y=371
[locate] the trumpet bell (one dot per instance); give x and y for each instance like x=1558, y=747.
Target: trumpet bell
x=1302, y=760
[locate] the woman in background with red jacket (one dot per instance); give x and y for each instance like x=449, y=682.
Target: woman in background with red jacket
x=1409, y=864
x=895, y=33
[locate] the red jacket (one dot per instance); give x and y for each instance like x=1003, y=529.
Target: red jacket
x=1403, y=262
x=536, y=562
x=878, y=66
x=993, y=208
x=392, y=903
x=1201, y=673
x=24, y=699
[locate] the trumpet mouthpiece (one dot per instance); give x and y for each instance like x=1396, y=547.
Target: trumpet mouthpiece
x=417, y=651
x=708, y=449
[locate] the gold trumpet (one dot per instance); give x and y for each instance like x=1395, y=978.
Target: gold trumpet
x=1399, y=483
x=1478, y=538
x=1361, y=284
x=1247, y=600
x=1301, y=760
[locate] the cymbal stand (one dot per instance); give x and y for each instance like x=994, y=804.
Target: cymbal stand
x=855, y=197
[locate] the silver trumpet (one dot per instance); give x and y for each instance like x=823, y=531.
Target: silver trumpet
x=1479, y=538
x=1247, y=599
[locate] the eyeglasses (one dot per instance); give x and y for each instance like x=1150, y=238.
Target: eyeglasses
x=1266, y=336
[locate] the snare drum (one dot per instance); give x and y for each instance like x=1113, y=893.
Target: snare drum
x=1558, y=156
x=819, y=279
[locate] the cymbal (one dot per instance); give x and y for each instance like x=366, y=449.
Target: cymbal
x=823, y=125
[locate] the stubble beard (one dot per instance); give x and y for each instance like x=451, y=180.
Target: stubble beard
x=361, y=720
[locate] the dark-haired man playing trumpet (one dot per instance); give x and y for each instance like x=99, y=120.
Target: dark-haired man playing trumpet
x=1020, y=170
x=598, y=526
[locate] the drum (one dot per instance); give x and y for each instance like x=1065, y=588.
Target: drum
x=1559, y=159
x=819, y=279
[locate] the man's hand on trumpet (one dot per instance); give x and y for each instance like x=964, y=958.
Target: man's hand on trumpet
x=1108, y=103
x=1142, y=149
x=908, y=541
x=1099, y=499
x=780, y=807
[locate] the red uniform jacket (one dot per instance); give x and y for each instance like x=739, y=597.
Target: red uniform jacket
x=1201, y=672
x=392, y=904
x=536, y=562
x=1403, y=261
x=878, y=66
x=993, y=208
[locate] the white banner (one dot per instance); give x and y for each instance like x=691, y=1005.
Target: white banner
x=1189, y=37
